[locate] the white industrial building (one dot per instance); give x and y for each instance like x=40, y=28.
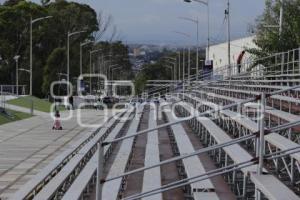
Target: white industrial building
x=219, y=52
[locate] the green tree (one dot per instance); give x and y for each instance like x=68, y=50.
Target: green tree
x=156, y=71
x=14, y=37
x=56, y=62
x=268, y=39
x=47, y=35
x=120, y=57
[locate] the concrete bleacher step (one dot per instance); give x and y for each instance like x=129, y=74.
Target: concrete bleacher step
x=45, y=176
x=192, y=165
x=152, y=177
x=112, y=188
x=272, y=188
x=222, y=137
x=87, y=175
x=79, y=159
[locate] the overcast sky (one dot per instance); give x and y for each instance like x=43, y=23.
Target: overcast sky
x=153, y=21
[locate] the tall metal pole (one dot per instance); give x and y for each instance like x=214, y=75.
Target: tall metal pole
x=68, y=58
x=80, y=59
x=81, y=52
x=112, y=72
x=17, y=75
x=189, y=66
x=228, y=36
x=91, y=53
x=179, y=65
x=197, y=64
x=208, y=31
x=183, y=65
x=262, y=132
x=175, y=74
x=30, y=90
x=196, y=21
x=30, y=49
x=90, y=72
x=68, y=54
x=99, y=172
x=102, y=63
x=281, y=17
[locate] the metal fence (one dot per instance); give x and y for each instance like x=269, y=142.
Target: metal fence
x=279, y=64
x=12, y=90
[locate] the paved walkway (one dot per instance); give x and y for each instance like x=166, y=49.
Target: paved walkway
x=26, y=110
x=28, y=145
x=18, y=108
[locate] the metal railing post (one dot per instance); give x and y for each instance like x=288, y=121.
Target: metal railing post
x=262, y=132
x=260, y=140
x=31, y=107
x=99, y=171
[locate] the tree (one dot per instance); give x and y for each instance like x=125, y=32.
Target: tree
x=14, y=37
x=156, y=71
x=268, y=39
x=49, y=38
x=48, y=35
x=56, y=63
x=12, y=2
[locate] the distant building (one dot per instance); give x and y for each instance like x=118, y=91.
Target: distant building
x=219, y=52
x=136, y=52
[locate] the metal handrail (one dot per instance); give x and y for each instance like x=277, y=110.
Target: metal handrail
x=204, y=150
x=208, y=175
x=200, y=115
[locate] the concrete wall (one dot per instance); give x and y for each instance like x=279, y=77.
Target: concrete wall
x=219, y=55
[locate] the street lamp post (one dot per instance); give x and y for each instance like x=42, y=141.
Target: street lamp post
x=196, y=21
x=189, y=51
x=16, y=58
x=25, y=70
x=179, y=64
x=31, y=57
x=81, y=46
x=227, y=13
x=112, y=72
x=104, y=66
x=169, y=60
x=110, y=78
x=62, y=74
x=91, y=54
x=206, y=3
x=110, y=60
x=68, y=52
x=172, y=71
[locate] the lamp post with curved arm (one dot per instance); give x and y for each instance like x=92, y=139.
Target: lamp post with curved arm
x=32, y=21
x=206, y=3
x=112, y=71
x=173, y=61
x=81, y=46
x=91, y=54
x=110, y=75
x=196, y=21
x=189, y=56
x=16, y=58
x=68, y=51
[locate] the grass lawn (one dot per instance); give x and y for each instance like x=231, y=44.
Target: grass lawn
x=14, y=116
x=38, y=104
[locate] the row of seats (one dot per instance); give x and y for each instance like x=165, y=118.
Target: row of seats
x=152, y=177
x=31, y=188
x=192, y=165
x=112, y=188
x=72, y=168
x=213, y=129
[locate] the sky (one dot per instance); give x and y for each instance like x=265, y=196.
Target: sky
x=154, y=21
